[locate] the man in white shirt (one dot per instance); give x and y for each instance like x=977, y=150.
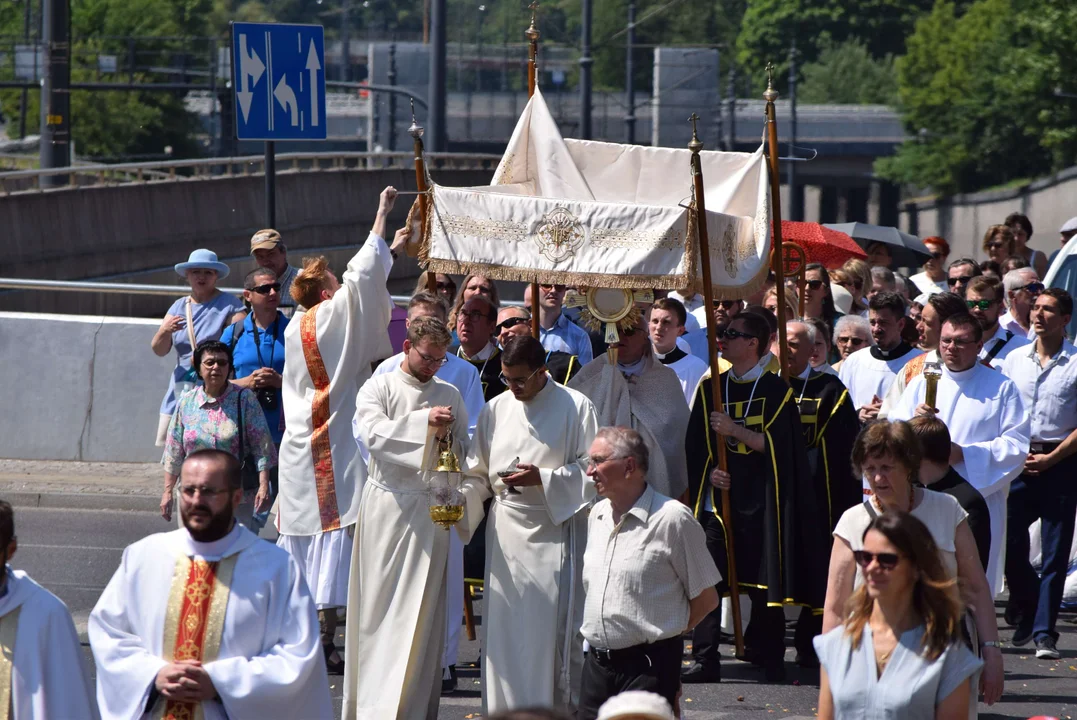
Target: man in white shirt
x=208, y=620
x=1045, y=373
x=987, y=419
x=1022, y=286
x=42, y=659
x=868, y=373
x=984, y=301
x=556, y=332
x=647, y=576
x=666, y=326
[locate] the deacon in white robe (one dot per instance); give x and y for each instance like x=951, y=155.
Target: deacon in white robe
x=987, y=419
x=253, y=619
x=45, y=677
x=868, y=373
x=535, y=437
x=396, y=602
x=330, y=348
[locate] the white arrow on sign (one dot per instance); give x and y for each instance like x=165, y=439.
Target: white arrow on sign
x=250, y=66
x=313, y=66
x=286, y=97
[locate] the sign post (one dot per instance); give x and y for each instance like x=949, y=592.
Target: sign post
x=279, y=83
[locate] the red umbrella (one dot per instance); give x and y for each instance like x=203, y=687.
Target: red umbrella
x=821, y=244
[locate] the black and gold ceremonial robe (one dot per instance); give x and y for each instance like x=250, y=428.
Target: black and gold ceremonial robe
x=781, y=547
x=562, y=366
x=489, y=374
x=830, y=425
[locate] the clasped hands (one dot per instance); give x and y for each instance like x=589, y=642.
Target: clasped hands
x=185, y=681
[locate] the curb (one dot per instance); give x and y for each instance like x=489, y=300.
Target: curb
x=85, y=501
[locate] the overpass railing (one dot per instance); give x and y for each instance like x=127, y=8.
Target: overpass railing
x=101, y=174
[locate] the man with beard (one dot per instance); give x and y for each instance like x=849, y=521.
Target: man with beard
x=868, y=373
x=775, y=511
x=208, y=620
x=984, y=301
x=397, y=595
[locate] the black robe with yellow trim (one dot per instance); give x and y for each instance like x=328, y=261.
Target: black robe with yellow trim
x=563, y=366
x=489, y=374
x=830, y=425
x=781, y=547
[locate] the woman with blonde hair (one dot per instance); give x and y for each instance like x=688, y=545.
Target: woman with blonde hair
x=998, y=243
x=860, y=271
x=474, y=285
x=792, y=304
x=899, y=651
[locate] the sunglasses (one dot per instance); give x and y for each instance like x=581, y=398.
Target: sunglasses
x=446, y=286
x=726, y=304
x=887, y=561
x=854, y=341
x=964, y=280
x=858, y=284
x=814, y=284
x=730, y=334
x=979, y=304
x=993, y=245
x=265, y=289
x=510, y=323
x=938, y=255
x=1035, y=288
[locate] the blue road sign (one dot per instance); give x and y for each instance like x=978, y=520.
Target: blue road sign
x=278, y=73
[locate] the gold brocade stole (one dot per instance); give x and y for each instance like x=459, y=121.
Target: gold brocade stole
x=9, y=628
x=320, y=449
x=194, y=621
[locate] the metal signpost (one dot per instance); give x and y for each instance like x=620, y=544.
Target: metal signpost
x=278, y=76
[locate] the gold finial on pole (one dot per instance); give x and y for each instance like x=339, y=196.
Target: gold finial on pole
x=695, y=145
x=416, y=130
x=770, y=94
x=532, y=32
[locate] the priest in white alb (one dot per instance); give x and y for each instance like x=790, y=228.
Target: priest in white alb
x=529, y=452
x=988, y=423
x=396, y=599
x=208, y=621
x=42, y=674
x=330, y=348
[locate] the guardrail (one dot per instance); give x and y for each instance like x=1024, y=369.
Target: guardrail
x=102, y=174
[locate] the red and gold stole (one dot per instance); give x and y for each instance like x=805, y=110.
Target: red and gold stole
x=9, y=628
x=319, y=409
x=194, y=621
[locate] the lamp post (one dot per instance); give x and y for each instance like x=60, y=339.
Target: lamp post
x=586, y=62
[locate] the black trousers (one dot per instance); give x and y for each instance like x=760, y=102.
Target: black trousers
x=655, y=668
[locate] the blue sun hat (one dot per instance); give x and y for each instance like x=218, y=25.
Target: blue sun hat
x=203, y=259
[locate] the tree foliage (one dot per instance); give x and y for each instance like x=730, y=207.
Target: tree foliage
x=846, y=73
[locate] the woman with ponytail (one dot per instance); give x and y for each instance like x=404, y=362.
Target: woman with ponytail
x=900, y=650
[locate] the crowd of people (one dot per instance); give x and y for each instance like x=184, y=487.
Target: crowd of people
x=913, y=432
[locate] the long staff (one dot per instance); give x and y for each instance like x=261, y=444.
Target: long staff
x=770, y=95
x=532, y=35
x=416, y=132
x=716, y=387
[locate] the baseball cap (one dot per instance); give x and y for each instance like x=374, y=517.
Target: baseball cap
x=1069, y=226
x=636, y=704
x=265, y=240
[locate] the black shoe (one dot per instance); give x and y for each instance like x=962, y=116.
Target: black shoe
x=1022, y=635
x=1046, y=650
x=775, y=672
x=699, y=673
x=753, y=656
x=807, y=661
x=448, y=684
x=1013, y=616
x=333, y=668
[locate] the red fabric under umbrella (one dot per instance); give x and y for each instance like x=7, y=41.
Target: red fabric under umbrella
x=821, y=244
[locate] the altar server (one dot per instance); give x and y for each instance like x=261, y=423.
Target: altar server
x=868, y=373
x=396, y=598
x=533, y=439
x=331, y=347
x=988, y=423
x=208, y=620
x=667, y=326
x=45, y=676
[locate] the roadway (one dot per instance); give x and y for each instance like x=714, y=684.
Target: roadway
x=73, y=552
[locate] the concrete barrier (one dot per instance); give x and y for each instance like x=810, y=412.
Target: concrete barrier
x=80, y=388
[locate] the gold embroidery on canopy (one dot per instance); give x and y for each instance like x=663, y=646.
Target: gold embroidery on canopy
x=671, y=239
x=483, y=228
x=560, y=234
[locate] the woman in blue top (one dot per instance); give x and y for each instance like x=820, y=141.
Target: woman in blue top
x=202, y=315
x=257, y=344
x=900, y=651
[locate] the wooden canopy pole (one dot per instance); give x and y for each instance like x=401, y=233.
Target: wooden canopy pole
x=416, y=132
x=716, y=387
x=532, y=35
x=770, y=95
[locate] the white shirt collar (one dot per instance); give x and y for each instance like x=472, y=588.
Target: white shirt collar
x=212, y=550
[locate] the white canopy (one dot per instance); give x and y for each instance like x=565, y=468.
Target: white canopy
x=579, y=212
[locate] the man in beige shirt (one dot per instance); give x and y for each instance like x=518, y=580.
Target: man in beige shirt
x=647, y=575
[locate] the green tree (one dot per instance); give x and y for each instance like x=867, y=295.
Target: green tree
x=846, y=73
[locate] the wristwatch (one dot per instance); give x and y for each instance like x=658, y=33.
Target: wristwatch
x=991, y=643
x=393, y=253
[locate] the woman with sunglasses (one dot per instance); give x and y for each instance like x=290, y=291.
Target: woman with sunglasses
x=933, y=277
x=888, y=455
x=818, y=302
x=899, y=650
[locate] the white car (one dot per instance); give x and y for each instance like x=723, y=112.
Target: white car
x=1063, y=274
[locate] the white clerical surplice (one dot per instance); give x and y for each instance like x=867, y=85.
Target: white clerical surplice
x=527, y=638
x=396, y=599
x=985, y=415
x=239, y=605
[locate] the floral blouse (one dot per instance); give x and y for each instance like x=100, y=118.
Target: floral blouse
x=202, y=422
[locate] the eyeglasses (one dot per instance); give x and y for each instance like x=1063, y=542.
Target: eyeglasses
x=429, y=359
x=814, y=284
x=518, y=382
x=208, y=493
x=473, y=316
x=854, y=341
x=979, y=304
x=887, y=561
x=956, y=342
x=510, y=323
x=1034, y=288
x=265, y=289
x=731, y=334
x=964, y=280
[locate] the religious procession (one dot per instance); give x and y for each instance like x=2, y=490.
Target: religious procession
x=704, y=429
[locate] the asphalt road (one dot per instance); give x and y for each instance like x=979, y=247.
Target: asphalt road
x=74, y=553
